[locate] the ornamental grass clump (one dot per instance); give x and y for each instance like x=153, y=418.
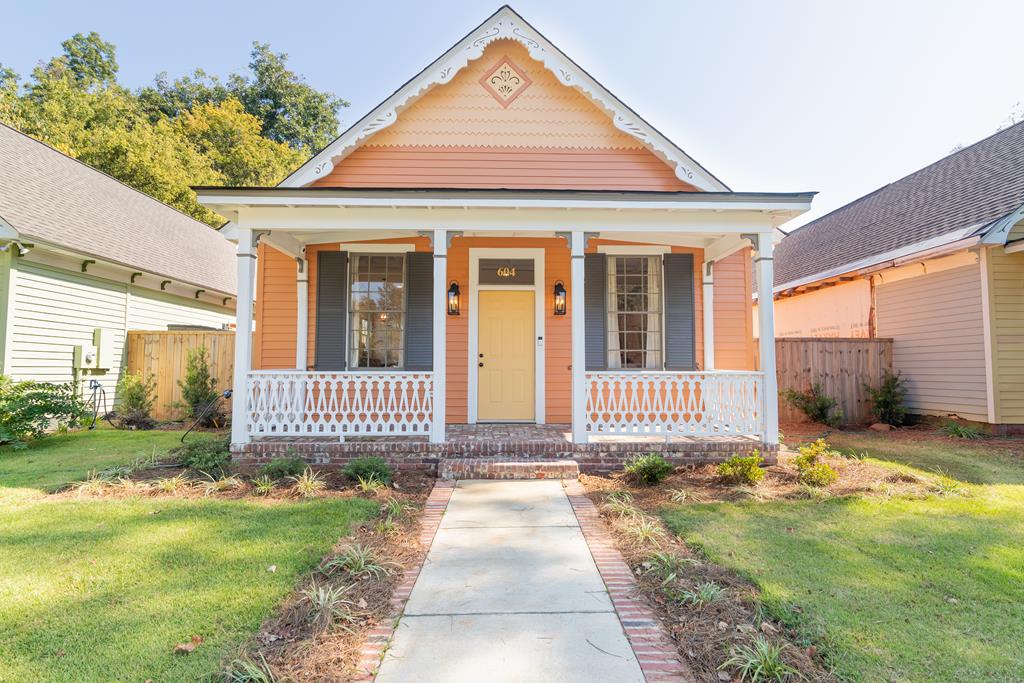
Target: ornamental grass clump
x=741, y=470
x=760, y=662
x=648, y=469
x=309, y=483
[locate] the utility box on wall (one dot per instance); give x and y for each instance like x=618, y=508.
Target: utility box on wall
x=96, y=356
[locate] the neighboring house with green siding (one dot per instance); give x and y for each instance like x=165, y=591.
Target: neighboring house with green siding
x=934, y=261
x=85, y=258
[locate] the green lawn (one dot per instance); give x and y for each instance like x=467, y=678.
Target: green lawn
x=103, y=589
x=54, y=461
x=890, y=589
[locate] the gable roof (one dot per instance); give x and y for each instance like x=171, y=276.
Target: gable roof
x=505, y=24
x=958, y=196
x=49, y=197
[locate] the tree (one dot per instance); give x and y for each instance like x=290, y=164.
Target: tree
x=90, y=59
x=289, y=109
x=9, y=96
x=230, y=139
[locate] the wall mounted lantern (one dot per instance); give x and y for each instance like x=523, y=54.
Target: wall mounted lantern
x=559, y=298
x=453, y=298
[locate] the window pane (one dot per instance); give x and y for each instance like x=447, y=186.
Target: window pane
x=634, y=315
x=377, y=310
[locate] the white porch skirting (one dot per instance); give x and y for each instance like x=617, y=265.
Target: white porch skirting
x=716, y=403
x=354, y=403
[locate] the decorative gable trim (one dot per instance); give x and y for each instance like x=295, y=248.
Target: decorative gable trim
x=505, y=24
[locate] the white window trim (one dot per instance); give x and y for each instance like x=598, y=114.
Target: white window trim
x=475, y=254
x=627, y=250
x=350, y=352
x=663, y=331
x=388, y=248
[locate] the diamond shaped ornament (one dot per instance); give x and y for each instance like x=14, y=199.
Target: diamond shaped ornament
x=505, y=81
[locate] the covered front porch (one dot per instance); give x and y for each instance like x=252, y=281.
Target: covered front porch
x=618, y=350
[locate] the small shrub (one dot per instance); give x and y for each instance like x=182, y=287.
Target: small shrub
x=704, y=594
x=199, y=390
x=136, y=396
x=759, y=662
x=328, y=606
x=742, y=470
x=262, y=485
x=648, y=469
x=281, y=468
x=961, y=431
x=309, y=483
x=818, y=475
x=887, y=399
x=364, y=468
x=815, y=404
x=357, y=561
x=205, y=455
x=28, y=409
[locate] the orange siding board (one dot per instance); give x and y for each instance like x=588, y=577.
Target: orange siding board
x=734, y=317
x=275, y=310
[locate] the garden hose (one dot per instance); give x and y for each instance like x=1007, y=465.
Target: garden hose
x=98, y=393
x=207, y=409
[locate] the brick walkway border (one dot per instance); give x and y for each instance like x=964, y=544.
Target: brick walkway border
x=378, y=639
x=656, y=653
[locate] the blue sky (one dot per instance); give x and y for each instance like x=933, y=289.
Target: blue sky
x=775, y=96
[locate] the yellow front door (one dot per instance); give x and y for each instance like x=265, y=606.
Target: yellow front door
x=506, y=356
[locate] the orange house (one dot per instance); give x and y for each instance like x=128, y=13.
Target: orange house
x=503, y=241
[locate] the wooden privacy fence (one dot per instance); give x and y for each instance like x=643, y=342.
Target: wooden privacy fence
x=164, y=355
x=841, y=365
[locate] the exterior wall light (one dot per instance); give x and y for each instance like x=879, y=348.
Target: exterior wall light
x=453, y=298
x=559, y=298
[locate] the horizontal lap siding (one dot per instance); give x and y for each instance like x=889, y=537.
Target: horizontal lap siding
x=1006, y=282
x=936, y=324
x=482, y=167
x=733, y=314
x=150, y=310
x=54, y=311
x=276, y=310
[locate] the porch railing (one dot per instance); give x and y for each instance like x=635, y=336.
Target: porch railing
x=355, y=403
x=717, y=403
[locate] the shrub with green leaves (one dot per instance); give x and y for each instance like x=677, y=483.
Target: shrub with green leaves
x=887, y=399
x=199, y=390
x=280, y=468
x=28, y=409
x=206, y=455
x=369, y=467
x=136, y=396
x=961, y=431
x=815, y=404
x=811, y=470
x=740, y=469
x=648, y=469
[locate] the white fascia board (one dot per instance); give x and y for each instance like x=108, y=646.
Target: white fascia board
x=915, y=250
x=390, y=218
x=218, y=202
x=504, y=24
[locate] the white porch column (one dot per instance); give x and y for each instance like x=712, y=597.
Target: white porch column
x=708, y=302
x=302, y=317
x=440, y=337
x=766, y=321
x=243, y=335
x=577, y=242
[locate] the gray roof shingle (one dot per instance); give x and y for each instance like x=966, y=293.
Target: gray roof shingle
x=969, y=188
x=50, y=197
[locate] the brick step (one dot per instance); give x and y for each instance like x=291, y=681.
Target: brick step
x=483, y=468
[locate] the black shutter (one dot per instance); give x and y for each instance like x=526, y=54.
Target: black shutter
x=595, y=310
x=331, y=310
x=679, y=324
x=419, y=311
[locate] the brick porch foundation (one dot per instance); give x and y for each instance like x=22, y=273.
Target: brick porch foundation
x=508, y=444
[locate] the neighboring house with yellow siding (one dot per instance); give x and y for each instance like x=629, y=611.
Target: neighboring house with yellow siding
x=935, y=261
x=503, y=240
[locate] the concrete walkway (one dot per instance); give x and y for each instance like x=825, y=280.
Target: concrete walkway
x=509, y=592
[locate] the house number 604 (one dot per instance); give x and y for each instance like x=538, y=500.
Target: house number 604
x=506, y=271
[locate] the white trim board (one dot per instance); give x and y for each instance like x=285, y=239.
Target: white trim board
x=475, y=254
x=505, y=24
